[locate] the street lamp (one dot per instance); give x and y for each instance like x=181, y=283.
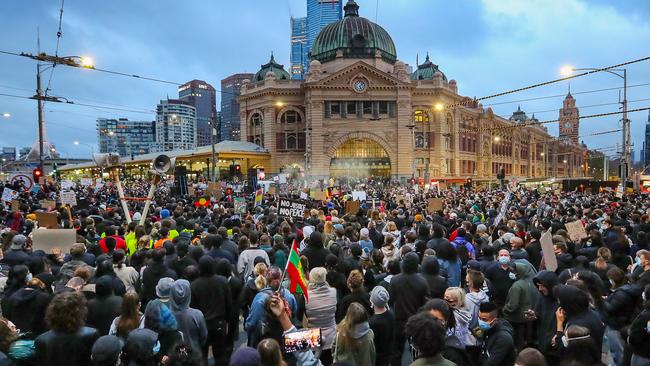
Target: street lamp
x=6, y=115
x=438, y=107
x=497, y=138
x=621, y=73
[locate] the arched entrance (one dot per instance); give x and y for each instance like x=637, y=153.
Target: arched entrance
x=360, y=158
x=294, y=171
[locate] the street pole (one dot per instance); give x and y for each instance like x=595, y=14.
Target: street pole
x=214, y=163
x=626, y=134
x=41, y=117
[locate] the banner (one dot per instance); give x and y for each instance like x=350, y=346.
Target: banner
x=259, y=194
x=291, y=208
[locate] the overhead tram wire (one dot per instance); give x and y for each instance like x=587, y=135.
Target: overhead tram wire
x=59, y=34
x=79, y=104
x=470, y=100
x=585, y=106
x=526, y=124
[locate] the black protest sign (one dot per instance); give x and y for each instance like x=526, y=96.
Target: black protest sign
x=294, y=209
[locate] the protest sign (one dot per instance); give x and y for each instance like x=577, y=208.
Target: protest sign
x=291, y=208
x=272, y=190
x=258, y=196
x=352, y=207
x=319, y=195
x=47, y=220
x=359, y=195
x=48, y=239
x=240, y=205
x=191, y=191
x=548, y=252
x=576, y=231
x=434, y=205
x=15, y=205
x=304, y=196
x=86, y=182
x=48, y=204
x=68, y=198
x=9, y=195
x=67, y=184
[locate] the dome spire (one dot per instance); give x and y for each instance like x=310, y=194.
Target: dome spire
x=351, y=8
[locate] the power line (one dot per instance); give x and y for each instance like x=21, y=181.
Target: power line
x=79, y=104
x=564, y=95
x=585, y=106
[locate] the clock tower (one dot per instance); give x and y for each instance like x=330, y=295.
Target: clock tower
x=569, y=120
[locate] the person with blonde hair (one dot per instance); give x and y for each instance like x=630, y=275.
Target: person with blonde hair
x=391, y=230
x=354, y=339
x=455, y=298
x=253, y=285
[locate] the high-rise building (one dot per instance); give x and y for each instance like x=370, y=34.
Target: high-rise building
x=125, y=137
x=299, y=53
x=569, y=120
x=24, y=152
x=319, y=14
x=8, y=154
x=203, y=97
x=646, y=144
x=230, y=89
x=175, y=126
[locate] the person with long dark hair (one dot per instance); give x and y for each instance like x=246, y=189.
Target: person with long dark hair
x=130, y=316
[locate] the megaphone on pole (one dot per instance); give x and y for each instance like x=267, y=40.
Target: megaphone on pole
x=162, y=164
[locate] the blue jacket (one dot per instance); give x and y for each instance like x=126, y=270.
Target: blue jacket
x=257, y=307
x=452, y=271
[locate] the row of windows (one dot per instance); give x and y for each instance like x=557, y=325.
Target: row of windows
x=497, y=166
x=467, y=167
x=360, y=109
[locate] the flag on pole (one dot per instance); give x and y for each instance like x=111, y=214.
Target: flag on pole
x=259, y=194
x=297, y=280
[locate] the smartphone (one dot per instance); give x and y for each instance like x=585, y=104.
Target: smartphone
x=302, y=340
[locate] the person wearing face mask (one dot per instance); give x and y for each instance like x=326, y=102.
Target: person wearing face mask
x=639, y=333
x=454, y=350
x=521, y=297
x=578, y=347
x=644, y=262
x=498, y=345
x=544, y=313
x=501, y=277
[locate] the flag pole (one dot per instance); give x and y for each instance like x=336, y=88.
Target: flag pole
x=286, y=265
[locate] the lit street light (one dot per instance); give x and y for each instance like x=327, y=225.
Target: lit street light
x=6, y=115
x=439, y=107
x=497, y=138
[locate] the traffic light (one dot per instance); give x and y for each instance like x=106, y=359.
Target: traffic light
x=468, y=183
x=237, y=169
x=37, y=174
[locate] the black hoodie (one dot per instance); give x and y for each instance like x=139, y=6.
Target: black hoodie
x=545, y=310
x=315, y=252
x=104, y=307
x=26, y=309
x=211, y=294
x=430, y=271
x=575, y=303
x=408, y=290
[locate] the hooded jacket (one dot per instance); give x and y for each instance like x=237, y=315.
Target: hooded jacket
x=26, y=309
x=211, y=293
x=315, y=251
x=639, y=337
x=619, y=305
x=575, y=303
x=545, y=308
x=408, y=290
x=430, y=271
x=363, y=352
x=139, y=347
x=498, y=346
x=522, y=295
x=104, y=307
x=190, y=321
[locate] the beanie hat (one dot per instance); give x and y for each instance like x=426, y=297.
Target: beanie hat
x=245, y=356
x=106, y=350
x=364, y=232
x=379, y=297
x=164, y=213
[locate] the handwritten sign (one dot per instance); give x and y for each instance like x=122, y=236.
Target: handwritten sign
x=359, y=195
x=352, y=207
x=9, y=195
x=576, y=231
x=68, y=198
x=86, y=182
x=47, y=220
x=240, y=205
x=291, y=208
x=48, y=239
x=434, y=205
x=67, y=184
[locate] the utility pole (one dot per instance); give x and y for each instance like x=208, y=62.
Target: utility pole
x=213, y=126
x=41, y=117
x=625, y=156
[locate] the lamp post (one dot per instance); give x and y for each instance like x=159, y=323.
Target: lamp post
x=625, y=153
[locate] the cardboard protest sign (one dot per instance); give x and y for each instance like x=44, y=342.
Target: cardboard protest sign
x=434, y=205
x=317, y=195
x=240, y=205
x=191, y=191
x=291, y=208
x=548, y=252
x=48, y=239
x=47, y=220
x=359, y=195
x=352, y=207
x=576, y=231
x=68, y=198
x=15, y=205
x=272, y=190
x=48, y=204
x=9, y=195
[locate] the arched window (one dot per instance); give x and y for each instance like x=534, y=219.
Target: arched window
x=290, y=136
x=255, y=131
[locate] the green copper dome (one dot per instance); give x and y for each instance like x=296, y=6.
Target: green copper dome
x=426, y=71
x=277, y=69
x=357, y=37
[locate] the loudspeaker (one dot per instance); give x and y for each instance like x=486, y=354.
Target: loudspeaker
x=180, y=181
x=162, y=164
x=106, y=160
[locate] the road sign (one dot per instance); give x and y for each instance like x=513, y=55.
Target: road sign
x=26, y=179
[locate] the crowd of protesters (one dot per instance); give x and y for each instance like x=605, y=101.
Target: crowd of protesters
x=390, y=284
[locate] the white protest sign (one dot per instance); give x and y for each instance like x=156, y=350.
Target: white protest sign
x=548, y=251
x=9, y=195
x=304, y=196
x=86, y=182
x=67, y=184
x=68, y=198
x=359, y=195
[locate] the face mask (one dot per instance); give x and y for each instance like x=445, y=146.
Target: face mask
x=588, y=243
x=29, y=277
x=504, y=260
x=486, y=326
x=647, y=327
x=638, y=261
x=611, y=282
x=512, y=276
x=643, y=296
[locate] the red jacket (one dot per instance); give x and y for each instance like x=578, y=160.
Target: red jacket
x=121, y=244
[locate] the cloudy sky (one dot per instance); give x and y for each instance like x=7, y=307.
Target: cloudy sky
x=488, y=46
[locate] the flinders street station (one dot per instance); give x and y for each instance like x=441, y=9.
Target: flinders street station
x=360, y=112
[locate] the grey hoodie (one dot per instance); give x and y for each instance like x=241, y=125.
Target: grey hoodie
x=190, y=321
